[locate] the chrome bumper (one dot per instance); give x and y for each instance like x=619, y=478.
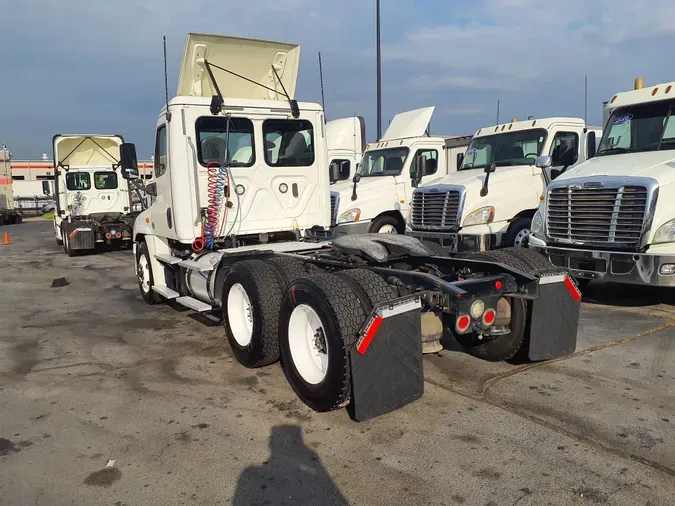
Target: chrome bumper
x=633, y=268
x=457, y=243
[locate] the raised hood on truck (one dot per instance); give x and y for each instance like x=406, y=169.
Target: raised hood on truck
x=409, y=124
x=250, y=59
x=83, y=151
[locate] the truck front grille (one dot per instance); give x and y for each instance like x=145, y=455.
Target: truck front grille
x=597, y=215
x=333, y=209
x=436, y=210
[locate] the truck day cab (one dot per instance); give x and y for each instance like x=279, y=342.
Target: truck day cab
x=93, y=203
x=378, y=198
x=345, y=141
x=237, y=186
x=489, y=203
x=613, y=218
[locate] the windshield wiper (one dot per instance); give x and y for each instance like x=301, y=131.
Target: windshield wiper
x=505, y=163
x=614, y=150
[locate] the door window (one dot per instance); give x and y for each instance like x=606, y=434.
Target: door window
x=160, y=152
x=431, y=156
x=565, y=149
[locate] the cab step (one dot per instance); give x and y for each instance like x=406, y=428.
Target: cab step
x=165, y=292
x=195, y=266
x=168, y=259
x=195, y=304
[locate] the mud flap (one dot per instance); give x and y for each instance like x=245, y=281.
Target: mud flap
x=81, y=236
x=554, y=318
x=386, y=362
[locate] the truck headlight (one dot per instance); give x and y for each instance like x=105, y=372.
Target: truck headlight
x=480, y=216
x=665, y=233
x=350, y=216
x=537, y=227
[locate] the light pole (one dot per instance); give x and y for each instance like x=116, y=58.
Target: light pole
x=379, y=76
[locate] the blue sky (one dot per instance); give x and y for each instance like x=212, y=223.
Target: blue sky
x=90, y=66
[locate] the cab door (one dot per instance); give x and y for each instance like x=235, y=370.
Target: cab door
x=161, y=211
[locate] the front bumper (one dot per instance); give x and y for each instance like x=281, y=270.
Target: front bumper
x=458, y=243
x=618, y=267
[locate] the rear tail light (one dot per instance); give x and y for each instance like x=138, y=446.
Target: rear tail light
x=489, y=317
x=463, y=323
x=108, y=236
x=118, y=235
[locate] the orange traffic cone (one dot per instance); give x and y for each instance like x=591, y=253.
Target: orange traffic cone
x=5, y=239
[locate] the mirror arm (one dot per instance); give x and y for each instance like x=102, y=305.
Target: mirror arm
x=484, y=189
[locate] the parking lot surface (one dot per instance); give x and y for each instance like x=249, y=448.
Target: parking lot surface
x=90, y=374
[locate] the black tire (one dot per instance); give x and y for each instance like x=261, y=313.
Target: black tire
x=289, y=269
x=342, y=314
x=511, y=345
x=435, y=249
x=380, y=222
x=515, y=230
x=263, y=289
x=149, y=295
x=368, y=286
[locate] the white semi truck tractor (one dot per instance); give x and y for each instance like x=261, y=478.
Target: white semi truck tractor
x=377, y=198
x=93, y=201
x=490, y=201
x=611, y=218
x=240, y=177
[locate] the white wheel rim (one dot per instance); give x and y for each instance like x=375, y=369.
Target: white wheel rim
x=240, y=315
x=144, y=273
x=308, y=345
x=387, y=229
x=521, y=237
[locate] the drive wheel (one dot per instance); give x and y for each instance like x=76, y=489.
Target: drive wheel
x=251, y=301
x=518, y=234
x=319, y=322
x=144, y=274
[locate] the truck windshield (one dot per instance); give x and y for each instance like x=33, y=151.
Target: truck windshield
x=505, y=149
x=645, y=127
x=383, y=162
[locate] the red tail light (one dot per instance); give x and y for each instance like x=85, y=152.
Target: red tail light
x=463, y=323
x=118, y=235
x=489, y=317
x=108, y=236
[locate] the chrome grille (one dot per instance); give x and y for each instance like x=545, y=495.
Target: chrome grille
x=436, y=210
x=597, y=215
x=333, y=209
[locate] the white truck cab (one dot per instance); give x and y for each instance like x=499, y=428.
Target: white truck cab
x=93, y=202
x=489, y=202
x=613, y=217
x=345, y=141
x=378, y=197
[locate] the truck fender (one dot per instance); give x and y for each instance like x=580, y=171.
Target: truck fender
x=156, y=246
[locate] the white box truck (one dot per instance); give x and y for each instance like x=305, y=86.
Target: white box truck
x=378, y=197
x=489, y=203
x=611, y=218
x=8, y=214
x=93, y=202
x=237, y=185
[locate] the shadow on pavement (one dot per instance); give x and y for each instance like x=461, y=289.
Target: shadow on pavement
x=293, y=475
x=614, y=294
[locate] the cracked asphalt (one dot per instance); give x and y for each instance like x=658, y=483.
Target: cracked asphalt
x=90, y=374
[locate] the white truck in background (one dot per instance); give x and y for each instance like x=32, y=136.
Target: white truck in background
x=236, y=188
x=345, y=141
x=378, y=197
x=8, y=214
x=93, y=203
x=613, y=217
x=489, y=203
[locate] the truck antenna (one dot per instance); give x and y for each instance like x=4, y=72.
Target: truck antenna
x=323, y=102
x=166, y=83
x=379, y=75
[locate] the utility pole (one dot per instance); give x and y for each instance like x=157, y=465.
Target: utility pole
x=379, y=75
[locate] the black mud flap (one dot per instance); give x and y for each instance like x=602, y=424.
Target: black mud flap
x=554, y=318
x=81, y=236
x=386, y=362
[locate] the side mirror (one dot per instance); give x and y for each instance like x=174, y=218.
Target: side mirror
x=590, y=145
x=128, y=161
x=543, y=162
x=334, y=171
x=46, y=189
x=460, y=159
x=490, y=168
x=356, y=178
x=151, y=189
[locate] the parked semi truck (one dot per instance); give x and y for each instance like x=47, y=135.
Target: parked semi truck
x=489, y=203
x=611, y=218
x=93, y=203
x=8, y=214
x=378, y=197
x=226, y=234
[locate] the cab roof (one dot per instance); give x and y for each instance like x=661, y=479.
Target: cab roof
x=664, y=91
x=529, y=124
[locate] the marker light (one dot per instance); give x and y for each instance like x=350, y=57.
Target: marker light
x=477, y=309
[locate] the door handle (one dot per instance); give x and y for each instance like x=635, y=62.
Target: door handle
x=295, y=190
x=168, y=218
